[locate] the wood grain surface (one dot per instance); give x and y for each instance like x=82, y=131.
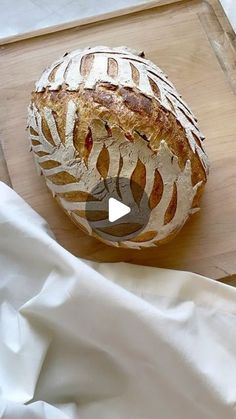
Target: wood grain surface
x=193, y=42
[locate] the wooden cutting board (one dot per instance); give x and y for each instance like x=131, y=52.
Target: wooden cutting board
x=191, y=41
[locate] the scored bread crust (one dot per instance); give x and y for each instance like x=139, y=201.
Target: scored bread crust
x=102, y=112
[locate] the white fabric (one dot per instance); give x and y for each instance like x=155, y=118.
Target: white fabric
x=108, y=341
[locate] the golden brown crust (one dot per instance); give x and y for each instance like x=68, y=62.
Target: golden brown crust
x=102, y=113
x=134, y=113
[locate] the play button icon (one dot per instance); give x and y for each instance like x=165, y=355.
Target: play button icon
x=117, y=210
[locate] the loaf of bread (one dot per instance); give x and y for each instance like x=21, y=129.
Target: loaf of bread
x=103, y=112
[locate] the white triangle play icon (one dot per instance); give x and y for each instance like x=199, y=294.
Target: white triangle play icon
x=117, y=209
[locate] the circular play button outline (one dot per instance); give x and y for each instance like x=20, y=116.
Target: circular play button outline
x=117, y=209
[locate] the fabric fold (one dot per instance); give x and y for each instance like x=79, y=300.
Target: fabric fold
x=80, y=339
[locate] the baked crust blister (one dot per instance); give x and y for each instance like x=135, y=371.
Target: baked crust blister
x=101, y=112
